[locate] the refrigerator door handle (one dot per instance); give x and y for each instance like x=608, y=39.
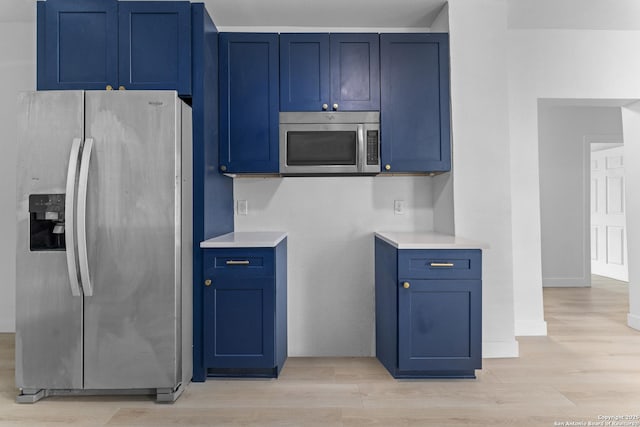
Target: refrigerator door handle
x=70, y=220
x=83, y=182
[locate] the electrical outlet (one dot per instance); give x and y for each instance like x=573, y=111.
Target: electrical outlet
x=398, y=207
x=242, y=207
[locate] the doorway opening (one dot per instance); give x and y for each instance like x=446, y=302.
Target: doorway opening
x=571, y=196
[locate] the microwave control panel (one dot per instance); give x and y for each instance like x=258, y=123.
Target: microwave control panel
x=372, y=147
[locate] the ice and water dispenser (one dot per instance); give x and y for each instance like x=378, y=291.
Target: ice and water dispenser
x=46, y=228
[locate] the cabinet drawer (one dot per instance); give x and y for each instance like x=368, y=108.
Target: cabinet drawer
x=238, y=262
x=439, y=264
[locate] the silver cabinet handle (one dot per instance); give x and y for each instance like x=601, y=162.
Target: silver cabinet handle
x=83, y=182
x=235, y=262
x=325, y=107
x=441, y=264
x=69, y=218
x=335, y=106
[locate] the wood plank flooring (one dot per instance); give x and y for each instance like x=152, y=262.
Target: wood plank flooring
x=588, y=367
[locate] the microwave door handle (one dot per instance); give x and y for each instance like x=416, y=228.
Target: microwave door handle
x=360, y=152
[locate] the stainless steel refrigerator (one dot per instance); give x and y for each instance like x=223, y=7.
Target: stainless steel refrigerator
x=104, y=244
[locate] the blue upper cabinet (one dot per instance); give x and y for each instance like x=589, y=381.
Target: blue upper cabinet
x=304, y=72
x=329, y=72
x=248, y=103
x=93, y=44
x=155, y=45
x=414, y=113
x=355, y=72
x=77, y=44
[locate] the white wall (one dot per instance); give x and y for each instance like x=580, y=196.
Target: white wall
x=575, y=14
x=330, y=221
x=631, y=132
x=443, y=203
x=564, y=64
x=481, y=181
x=17, y=73
x=564, y=188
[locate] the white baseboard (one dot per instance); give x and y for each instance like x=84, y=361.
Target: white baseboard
x=564, y=283
x=633, y=320
x=529, y=328
x=499, y=349
x=572, y=282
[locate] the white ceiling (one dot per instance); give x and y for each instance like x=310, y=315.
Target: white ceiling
x=350, y=15
x=324, y=14
x=411, y=15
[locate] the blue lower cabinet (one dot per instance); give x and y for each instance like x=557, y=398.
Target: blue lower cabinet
x=428, y=312
x=245, y=317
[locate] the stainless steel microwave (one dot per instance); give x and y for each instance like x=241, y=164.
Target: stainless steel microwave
x=319, y=143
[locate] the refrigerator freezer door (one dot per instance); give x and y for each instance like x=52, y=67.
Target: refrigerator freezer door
x=48, y=318
x=133, y=234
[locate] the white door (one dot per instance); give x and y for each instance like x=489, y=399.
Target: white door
x=608, y=223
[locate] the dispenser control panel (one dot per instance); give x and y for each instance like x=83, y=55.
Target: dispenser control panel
x=43, y=203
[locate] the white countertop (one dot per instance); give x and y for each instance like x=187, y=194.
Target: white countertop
x=245, y=239
x=428, y=240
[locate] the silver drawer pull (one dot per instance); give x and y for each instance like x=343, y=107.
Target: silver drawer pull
x=235, y=262
x=441, y=264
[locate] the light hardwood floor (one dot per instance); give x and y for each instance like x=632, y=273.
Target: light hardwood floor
x=588, y=367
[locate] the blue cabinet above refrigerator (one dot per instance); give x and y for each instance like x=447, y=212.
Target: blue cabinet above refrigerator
x=99, y=44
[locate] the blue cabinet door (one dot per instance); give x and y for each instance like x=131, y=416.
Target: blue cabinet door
x=439, y=325
x=77, y=44
x=304, y=72
x=244, y=317
x=239, y=322
x=155, y=45
x=249, y=102
x=355, y=72
x=93, y=44
x=414, y=111
x=329, y=72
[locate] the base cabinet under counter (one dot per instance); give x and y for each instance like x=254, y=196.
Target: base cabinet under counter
x=245, y=310
x=428, y=311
